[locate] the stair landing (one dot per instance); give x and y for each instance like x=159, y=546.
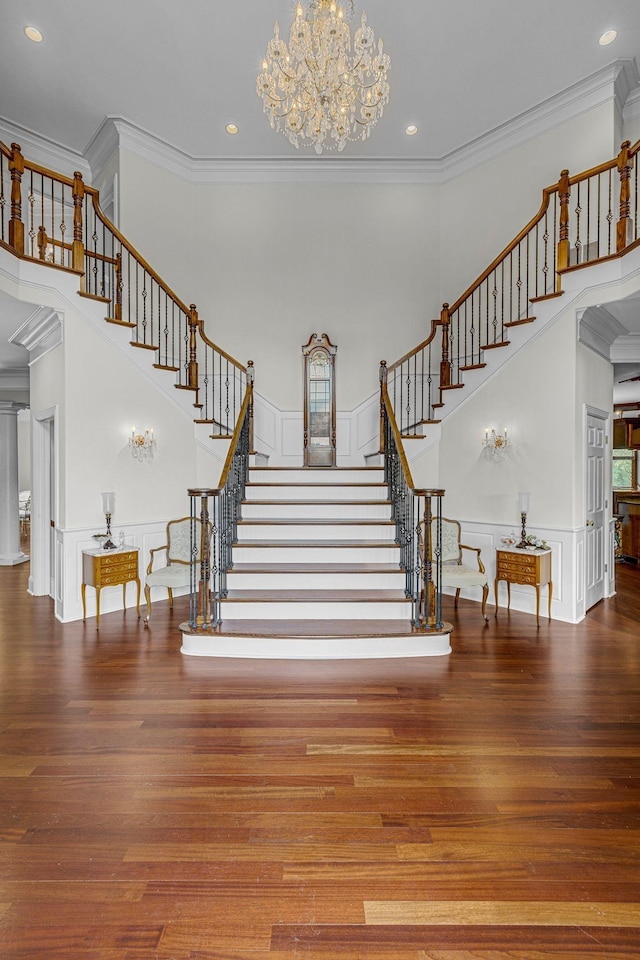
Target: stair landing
x=316, y=574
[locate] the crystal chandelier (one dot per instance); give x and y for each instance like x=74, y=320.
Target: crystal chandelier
x=313, y=90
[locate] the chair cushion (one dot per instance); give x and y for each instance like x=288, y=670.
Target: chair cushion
x=175, y=575
x=454, y=575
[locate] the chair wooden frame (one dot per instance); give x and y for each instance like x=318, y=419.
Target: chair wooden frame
x=169, y=581
x=453, y=559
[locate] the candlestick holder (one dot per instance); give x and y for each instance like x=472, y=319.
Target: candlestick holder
x=108, y=504
x=523, y=536
x=523, y=503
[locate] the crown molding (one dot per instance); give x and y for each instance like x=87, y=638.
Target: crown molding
x=14, y=378
x=40, y=332
x=632, y=106
x=104, y=145
x=626, y=349
x=615, y=82
x=48, y=153
x=600, y=330
x=619, y=82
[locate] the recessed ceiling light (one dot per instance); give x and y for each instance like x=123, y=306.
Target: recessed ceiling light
x=411, y=130
x=232, y=128
x=34, y=34
x=607, y=37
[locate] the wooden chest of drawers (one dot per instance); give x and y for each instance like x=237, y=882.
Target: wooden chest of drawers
x=111, y=568
x=527, y=567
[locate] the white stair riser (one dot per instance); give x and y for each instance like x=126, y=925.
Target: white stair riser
x=316, y=581
x=318, y=492
x=316, y=648
x=315, y=610
x=266, y=475
x=255, y=510
x=322, y=531
x=316, y=554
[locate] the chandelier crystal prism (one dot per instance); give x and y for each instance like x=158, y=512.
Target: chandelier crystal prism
x=314, y=89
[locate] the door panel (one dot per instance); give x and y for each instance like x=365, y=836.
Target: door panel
x=595, y=544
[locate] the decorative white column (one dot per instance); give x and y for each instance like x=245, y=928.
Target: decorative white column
x=10, y=552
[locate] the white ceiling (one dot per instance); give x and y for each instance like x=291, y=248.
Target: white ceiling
x=460, y=69
x=181, y=71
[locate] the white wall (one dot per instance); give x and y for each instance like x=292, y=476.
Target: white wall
x=280, y=262
x=533, y=395
x=156, y=216
x=367, y=263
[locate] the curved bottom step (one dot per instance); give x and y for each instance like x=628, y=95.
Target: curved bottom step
x=315, y=640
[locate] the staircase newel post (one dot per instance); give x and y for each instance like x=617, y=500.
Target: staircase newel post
x=445, y=365
x=564, y=193
x=250, y=373
x=77, y=253
x=193, y=362
x=625, y=166
x=204, y=598
x=16, y=226
x=430, y=561
x=383, y=382
x=117, y=309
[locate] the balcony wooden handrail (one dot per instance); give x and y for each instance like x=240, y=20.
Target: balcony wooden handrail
x=601, y=225
x=18, y=164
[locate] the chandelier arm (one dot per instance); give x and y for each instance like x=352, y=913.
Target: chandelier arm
x=289, y=76
x=376, y=104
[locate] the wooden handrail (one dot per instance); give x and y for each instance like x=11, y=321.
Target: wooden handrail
x=214, y=346
x=80, y=191
x=224, y=476
x=398, y=439
x=425, y=343
x=546, y=195
x=567, y=232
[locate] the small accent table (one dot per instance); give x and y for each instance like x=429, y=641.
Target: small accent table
x=109, y=568
x=524, y=566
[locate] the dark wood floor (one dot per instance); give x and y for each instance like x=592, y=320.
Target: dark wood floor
x=157, y=807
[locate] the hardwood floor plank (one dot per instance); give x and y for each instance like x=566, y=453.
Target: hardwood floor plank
x=506, y=913
x=483, y=806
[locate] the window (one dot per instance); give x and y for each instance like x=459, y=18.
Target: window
x=625, y=469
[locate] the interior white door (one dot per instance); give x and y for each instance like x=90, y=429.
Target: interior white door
x=595, y=545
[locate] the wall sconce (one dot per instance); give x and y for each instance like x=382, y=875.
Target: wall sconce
x=142, y=445
x=495, y=444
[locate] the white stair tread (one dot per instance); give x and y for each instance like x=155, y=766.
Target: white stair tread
x=313, y=595
x=313, y=628
x=312, y=568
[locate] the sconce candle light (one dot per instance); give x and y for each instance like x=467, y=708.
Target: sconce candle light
x=495, y=444
x=142, y=445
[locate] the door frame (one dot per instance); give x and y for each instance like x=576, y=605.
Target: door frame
x=607, y=539
x=44, y=575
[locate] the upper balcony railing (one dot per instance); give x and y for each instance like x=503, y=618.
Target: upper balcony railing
x=56, y=220
x=590, y=217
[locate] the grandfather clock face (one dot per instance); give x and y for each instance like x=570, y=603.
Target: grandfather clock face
x=319, y=412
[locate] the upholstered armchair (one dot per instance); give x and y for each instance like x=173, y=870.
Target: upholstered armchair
x=454, y=572
x=179, y=560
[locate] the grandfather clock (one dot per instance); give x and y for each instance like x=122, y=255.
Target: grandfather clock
x=319, y=402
